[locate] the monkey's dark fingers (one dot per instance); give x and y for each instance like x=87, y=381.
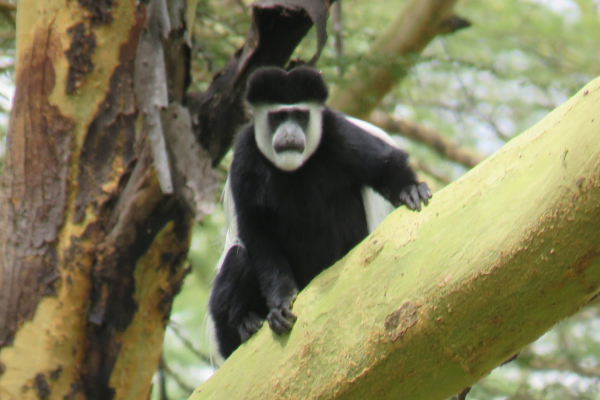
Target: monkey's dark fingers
x=410, y=197
x=290, y=316
x=416, y=199
x=281, y=320
x=424, y=192
x=249, y=326
x=405, y=198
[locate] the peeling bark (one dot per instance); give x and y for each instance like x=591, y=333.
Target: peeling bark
x=34, y=187
x=79, y=56
x=99, y=10
x=111, y=135
x=92, y=242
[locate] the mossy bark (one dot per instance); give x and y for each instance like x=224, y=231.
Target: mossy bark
x=431, y=302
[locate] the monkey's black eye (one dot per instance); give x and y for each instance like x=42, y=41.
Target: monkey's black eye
x=276, y=118
x=301, y=117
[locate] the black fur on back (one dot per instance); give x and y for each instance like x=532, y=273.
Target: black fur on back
x=274, y=85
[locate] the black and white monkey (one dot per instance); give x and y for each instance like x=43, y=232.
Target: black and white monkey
x=300, y=181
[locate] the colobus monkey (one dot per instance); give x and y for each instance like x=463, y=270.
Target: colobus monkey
x=298, y=180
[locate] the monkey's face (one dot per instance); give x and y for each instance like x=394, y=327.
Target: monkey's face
x=288, y=135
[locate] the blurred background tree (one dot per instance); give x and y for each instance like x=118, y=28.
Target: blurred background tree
x=477, y=88
x=7, y=68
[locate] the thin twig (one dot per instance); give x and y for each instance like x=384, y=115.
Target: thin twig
x=161, y=378
x=472, y=102
x=178, y=380
x=540, y=363
x=187, y=343
x=567, y=362
x=338, y=41
x=442, y=145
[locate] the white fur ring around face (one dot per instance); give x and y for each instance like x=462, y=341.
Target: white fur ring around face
x=287, y=160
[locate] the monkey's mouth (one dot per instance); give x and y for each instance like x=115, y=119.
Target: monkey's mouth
x=293, y=147
x=292, y=140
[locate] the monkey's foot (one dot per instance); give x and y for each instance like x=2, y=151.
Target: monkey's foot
x=251, y=323
x=281, y=319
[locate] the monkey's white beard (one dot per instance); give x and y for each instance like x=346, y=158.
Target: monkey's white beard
x=288, y=160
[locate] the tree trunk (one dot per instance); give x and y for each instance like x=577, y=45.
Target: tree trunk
x=91, y=249
x=91, y=252
x=433, y=301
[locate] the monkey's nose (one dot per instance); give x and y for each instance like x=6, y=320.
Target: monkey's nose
x=289, y=140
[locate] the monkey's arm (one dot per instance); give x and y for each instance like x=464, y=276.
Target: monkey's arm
x=275, y=277
x=277, y=284
x=376, y=163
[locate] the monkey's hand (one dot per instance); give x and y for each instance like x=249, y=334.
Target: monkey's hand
x=280, y=317
x=251, y=323
x=413, y=195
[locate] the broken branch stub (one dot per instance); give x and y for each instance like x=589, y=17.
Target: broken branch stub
x=277, y=28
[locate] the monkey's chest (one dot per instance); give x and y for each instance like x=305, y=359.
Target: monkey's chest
x=317, y=222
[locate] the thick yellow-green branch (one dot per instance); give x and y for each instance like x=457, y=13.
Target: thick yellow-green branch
x=432, y=301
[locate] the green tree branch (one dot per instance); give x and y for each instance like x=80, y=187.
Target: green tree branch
x=419, y=22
